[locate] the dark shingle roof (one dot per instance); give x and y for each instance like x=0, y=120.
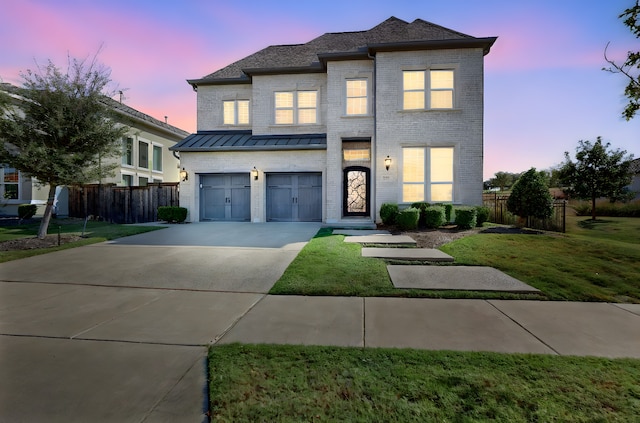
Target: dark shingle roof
x=393, y=33
x=635, y=166
x=244, y=140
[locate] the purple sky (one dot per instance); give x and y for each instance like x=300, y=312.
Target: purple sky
x=544, y=87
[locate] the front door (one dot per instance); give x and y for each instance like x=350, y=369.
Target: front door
x=355, y=197
x=225, y=197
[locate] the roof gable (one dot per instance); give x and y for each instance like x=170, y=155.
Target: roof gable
x=393, y=33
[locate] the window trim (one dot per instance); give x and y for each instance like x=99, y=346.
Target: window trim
x=140, y=166
x=122, y=162
x=366, y=97
x=236, y=112
x=153, y=161
x=3, y=185
x=295, y=108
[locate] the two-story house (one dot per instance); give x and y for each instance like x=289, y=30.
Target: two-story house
x=331, y=129
x=146, y=158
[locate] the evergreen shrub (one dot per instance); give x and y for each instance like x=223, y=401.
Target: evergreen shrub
x=407, y=219
x=466, y=217
x=434, y=217
x=27, y=211
x=388, y=213
x=172, y=214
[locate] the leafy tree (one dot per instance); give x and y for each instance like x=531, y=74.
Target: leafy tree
x=530, y=196
x=631, y=66
x=63, y=132
x=503, y=180
x=596, y=172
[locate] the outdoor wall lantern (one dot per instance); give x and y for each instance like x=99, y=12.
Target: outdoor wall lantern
x=254, y=172
x=184, y=175
x=387, y=163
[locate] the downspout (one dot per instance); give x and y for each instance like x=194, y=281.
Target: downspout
x=375, y=139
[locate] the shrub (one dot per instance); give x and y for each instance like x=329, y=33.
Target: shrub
x=448, y=211
x=27, y=211
x=407, y=219
x=388, y=213
x=172, y=214
x=530, y=197
x=482, y=215
x=434, y=217
x=422, y=206
x=466, y=217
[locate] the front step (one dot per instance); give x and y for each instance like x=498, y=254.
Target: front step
x=423, y=254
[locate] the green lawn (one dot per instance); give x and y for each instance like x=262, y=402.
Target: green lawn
x=94, y=232
x=268, y=383
x=592, y=262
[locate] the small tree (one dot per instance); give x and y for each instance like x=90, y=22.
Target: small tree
x=631, y=67
x=530, y=197
x=596, y=172
x=62, y=133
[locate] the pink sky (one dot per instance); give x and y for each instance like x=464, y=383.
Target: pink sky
x=544, y=87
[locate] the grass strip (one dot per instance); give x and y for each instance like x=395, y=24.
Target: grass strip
x=250, y=383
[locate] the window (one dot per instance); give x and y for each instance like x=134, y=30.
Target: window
x=127, y=151
x=127, y=180
x=356, y=97
x=236, y=112
x=143, y=154
x=10, y=183
x=427, y=174
x=299, y=107
x=355, y=154
x=440, y=89
x=157, y=158
x=143, y=181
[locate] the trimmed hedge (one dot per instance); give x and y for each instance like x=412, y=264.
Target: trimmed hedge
x=466, y=217
x=172, y=214
x=482, y=215
x=27, y=211
x=422, y=206
x=407, y=219
x=433, y=217
x=388, y=213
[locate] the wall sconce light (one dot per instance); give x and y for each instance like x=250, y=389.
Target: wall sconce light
x=184, y=175
x=254, y=172
x=387, y=163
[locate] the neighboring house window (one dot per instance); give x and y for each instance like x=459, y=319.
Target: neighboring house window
x=127, y=151
x=143, y=181
x=440, y=89
x=299, y=107
x=143, y=154
x=127, y=180
x=157, y=158
x=427, y=174
x=10, y=183
x=236, y=112
x=356, y=97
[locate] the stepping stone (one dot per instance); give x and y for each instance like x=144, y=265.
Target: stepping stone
x=426, y=254
x=381, y=239
x=463, y=278
x=359, y=232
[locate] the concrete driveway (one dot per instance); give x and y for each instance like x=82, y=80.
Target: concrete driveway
x=117, y=331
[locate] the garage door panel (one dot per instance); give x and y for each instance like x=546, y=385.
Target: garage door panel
x=225, y=197
x=279, y=204
x=294, y=197
x=310, y=204
x=240, y=203
x=214, y=203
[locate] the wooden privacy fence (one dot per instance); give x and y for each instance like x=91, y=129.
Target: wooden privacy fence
x=497, y=204
x=119, y=204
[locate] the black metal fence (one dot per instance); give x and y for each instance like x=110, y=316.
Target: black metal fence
x=119, y=204
x=497, y=204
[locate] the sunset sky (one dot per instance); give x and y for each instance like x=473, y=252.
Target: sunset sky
x=544, y=84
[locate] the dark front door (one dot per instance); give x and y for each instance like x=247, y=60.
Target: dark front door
x=294, y=197
x=355, y=197
x=225, y=197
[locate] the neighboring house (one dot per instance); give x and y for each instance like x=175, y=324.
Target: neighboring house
x=635, y=181
x=145, y=159
x=332, y=129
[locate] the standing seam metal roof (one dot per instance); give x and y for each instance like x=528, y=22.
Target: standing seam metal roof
x=244, y=140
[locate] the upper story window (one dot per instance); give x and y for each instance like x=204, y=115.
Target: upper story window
x=296, y=107
x=431, y=89
x=143, y=154
x=157, y=158
x=236, y=112
x=356, y=97
x=127, y=151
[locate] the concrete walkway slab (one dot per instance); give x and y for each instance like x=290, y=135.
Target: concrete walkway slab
x=179, y=317
x=572, y=328
x=58, y=380
x=436, y=324
x=426, y=254
x=360, y=232
x=381, y=239
x=632, y=308
x=467, y=278
x=301, y=320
